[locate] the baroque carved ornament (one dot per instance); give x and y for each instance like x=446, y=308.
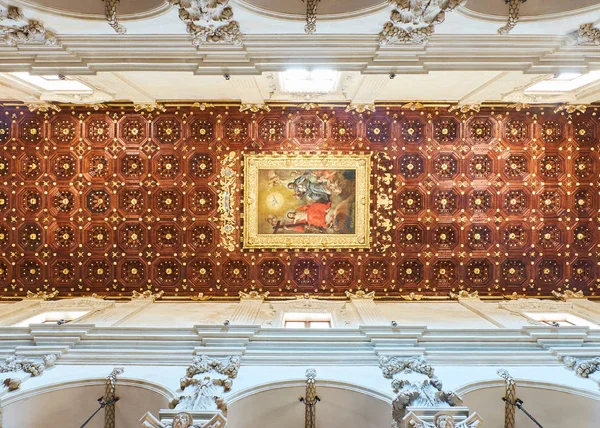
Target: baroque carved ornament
x=19, y=30
x=209, y=21
x=414, y=21
x=415, y=386
x=204, y=383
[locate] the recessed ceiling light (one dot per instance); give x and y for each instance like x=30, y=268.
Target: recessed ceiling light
x=56, y=82
x=565, y=82
x=302, y=81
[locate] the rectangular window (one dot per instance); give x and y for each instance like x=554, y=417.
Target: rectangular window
x=559, y=319
x=306, y=320
x=52, y=318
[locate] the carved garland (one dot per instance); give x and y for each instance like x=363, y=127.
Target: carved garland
x=21, y=30
x=206, y=392
x=414, y=21
x=209, y=21
x=425, y=393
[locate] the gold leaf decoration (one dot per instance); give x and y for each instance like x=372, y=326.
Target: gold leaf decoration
x=412, y=296
x=360, y=108
x=226, y=209
x=360, y=294
x=255, y=108
x=41, y=295
x=253, y=295
x=568, y=294
x=464, y=294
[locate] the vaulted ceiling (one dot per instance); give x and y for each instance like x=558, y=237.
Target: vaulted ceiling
x=147, y=55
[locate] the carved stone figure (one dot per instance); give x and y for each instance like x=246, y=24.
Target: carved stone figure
x=183, y=420
x=209, y=21
x=12, y=383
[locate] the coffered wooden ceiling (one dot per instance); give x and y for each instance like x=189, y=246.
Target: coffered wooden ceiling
x=110, y=201
x=464, y=61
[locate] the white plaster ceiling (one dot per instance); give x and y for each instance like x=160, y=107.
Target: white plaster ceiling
x=465, y=61
x=463, y=87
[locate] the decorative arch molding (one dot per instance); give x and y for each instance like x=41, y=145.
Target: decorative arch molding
x=15, y=397
x=500, y=18
x=301, y=383
x=359, y=12
x=499, y=383
x=159, y=9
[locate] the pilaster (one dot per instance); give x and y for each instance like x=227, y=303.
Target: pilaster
x=248, y=308
x=120, y=313
x=366, y=308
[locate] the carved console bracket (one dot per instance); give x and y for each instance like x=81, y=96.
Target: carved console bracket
x=414, y=21
x=416, y=387
x=459, y=418
x=209, y=21
x=184, y=420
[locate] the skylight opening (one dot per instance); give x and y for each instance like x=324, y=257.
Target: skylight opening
x=55, y=83
x=300, y=81
x=565, y=82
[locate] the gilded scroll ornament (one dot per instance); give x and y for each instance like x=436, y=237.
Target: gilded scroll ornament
x=360, y=294
x=360, y=108
x=255, y=108
x=227, y=201
x=568, y=294
x=43, y=107
x=571, y=108
x=464, y=294
x=41, y=295
x=136, y=295
x=384, y=186
x=253, y=295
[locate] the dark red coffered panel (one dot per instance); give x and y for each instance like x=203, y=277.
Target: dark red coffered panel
x=110, y=201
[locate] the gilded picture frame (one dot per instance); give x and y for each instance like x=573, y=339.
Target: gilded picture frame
x=306, y=201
